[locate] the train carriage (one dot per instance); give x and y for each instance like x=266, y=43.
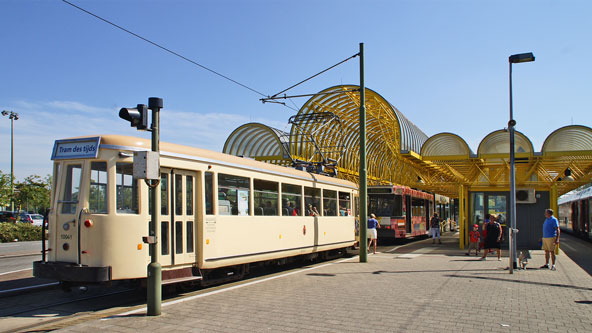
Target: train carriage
x=575, y=212
x=401, y=211
x=216, y=211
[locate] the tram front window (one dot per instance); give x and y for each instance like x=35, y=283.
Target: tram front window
x=127, y=189
x=72, y=189
x=97, y=201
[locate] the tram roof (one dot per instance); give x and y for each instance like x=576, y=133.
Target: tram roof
x=398, y=152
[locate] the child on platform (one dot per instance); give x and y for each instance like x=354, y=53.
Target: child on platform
x=474, y=237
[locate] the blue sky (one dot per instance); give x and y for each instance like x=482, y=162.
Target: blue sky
x=444, y=64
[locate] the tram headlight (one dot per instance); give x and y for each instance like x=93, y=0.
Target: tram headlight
x=66, y=226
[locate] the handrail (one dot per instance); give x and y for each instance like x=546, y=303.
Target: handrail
x=45, y=218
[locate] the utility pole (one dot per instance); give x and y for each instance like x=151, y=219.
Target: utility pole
x=13, y=116
x=363, y=171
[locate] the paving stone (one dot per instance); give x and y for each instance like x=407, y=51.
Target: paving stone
x=438, y=290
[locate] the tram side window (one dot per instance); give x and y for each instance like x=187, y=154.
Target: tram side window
x=164, y=194
x=189, y=195
x=126, y=188
x=418, y=207
x=179, y=195
x=344, y=204
x=72, y=188
x=97, y=201
x=291, y=200
x=164, y=234
x=178, y=237
x=312, y=201
x=233, y=195
x=189, y=235
x=385, y=205
x=209, y=188
x=266, y=197
x=329, y=203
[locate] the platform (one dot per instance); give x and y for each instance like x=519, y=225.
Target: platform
x=418, y=287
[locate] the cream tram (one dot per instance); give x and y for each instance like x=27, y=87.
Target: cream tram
x=218, y=213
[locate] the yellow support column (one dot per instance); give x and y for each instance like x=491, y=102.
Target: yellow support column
x=467, y=214
x=553, y=199
x=461, y=217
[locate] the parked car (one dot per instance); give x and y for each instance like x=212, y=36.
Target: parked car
x=35, y=219
x=7, y=216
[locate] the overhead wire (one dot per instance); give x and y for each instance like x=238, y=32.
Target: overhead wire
x=164, y=48
x=317, y=74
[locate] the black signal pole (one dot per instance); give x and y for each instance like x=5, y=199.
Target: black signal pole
x=154, y=268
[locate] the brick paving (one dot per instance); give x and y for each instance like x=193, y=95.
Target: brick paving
x=421, y=287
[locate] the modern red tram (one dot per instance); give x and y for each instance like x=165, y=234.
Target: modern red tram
x=401, y=211
x=575, y=213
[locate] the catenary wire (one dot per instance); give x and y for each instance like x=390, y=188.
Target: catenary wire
x=317, y=74
x=164, y=48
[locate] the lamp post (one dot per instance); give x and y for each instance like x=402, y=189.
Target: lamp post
x=12, y=116
x=513, y=59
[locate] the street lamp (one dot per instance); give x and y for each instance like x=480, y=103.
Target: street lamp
x=12, y=116
x=513, y=59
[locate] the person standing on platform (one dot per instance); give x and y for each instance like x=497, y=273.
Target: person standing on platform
x=484, y=231
x=372, y=234
x=550, y=238
x=435, y=228
x=493, y=238
x=474, y=240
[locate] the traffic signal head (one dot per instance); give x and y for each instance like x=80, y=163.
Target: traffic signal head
x=138, y=116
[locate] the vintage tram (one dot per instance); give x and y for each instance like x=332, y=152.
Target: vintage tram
x=217, y=213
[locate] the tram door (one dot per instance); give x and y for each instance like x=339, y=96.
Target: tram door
x=68, y=212
x=408, y=214
x=177, y=217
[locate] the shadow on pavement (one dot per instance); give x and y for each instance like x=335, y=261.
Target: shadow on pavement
x=519, y=281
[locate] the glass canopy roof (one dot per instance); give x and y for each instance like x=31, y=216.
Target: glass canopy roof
x=398, y=152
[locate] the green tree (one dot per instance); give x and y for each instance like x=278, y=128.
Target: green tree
x=4, y=189
x=32, y=194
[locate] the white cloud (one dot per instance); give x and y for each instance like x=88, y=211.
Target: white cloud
x=41, y=123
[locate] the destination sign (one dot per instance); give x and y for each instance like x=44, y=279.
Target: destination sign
x=76, y=148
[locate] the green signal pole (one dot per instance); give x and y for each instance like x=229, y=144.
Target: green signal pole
x=363, y=171
x=154, y=292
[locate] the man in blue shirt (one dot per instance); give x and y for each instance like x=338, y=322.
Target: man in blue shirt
x=372, y=234
x=550, y=238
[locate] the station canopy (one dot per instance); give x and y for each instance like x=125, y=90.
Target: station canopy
x=326, y=129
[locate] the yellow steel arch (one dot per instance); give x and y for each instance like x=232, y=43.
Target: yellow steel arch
x=389, y=133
